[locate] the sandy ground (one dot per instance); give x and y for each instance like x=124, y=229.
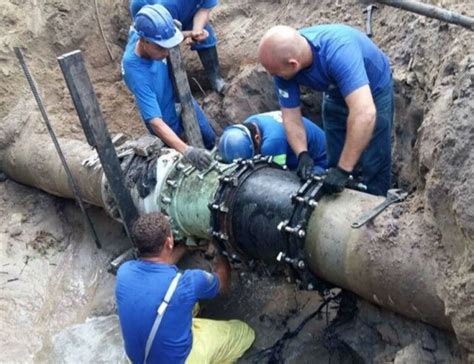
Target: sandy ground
x=50, y=272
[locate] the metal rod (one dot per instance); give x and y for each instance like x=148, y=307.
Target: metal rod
x=431, y=11
x=71, y=180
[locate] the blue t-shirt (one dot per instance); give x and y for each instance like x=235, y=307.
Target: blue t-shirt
x=344, y=59
x=140, y=289
x=183, y=10
x=150, y=82
x=274, y=141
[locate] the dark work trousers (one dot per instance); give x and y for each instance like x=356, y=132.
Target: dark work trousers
x=374, y=166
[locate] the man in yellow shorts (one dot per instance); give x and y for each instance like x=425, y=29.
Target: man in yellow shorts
x=155, y=303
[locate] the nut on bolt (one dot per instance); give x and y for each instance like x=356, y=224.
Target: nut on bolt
x=301, y=264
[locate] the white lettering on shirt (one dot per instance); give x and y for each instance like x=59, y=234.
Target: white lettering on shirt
x=283, y=93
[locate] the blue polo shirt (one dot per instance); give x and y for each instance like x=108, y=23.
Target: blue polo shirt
x=140, y=289
x=274, y=141
x=151, y=84
x=344, y=59
x=183, y=10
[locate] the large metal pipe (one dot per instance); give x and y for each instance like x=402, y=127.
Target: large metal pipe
x=377, y=261
x=431, y=11
x=33, y=160
x=250, y=204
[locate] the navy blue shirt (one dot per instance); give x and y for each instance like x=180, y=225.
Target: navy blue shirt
x=344, y=59
x=140, y=289
x=274, y=141
x=183, y=10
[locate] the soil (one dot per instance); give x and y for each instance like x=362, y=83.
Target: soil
x=53, y=278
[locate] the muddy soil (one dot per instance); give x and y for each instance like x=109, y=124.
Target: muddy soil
x=51, y=275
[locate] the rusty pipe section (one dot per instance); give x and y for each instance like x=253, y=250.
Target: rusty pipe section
x=33, y=160
x=375, y=261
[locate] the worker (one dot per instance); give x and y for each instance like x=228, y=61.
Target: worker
x=146, y=74
x=264, y=134
x=141, y=287
x=357, y=107
x=194, y=18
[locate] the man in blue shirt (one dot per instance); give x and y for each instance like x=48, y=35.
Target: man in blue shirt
x=140, y=289
x=194, y=17
x=357, y=108
x=264, y=134
x=147, y=76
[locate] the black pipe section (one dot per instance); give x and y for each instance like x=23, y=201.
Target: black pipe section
x=257, y=210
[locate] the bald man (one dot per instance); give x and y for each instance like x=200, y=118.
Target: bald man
x=357, y=109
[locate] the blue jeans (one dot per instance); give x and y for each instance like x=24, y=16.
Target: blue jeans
x=374, y=166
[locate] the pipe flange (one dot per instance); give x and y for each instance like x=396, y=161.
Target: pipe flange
x=305, y=200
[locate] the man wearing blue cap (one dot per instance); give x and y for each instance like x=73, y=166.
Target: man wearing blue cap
x=357, y=109
x=194, y=18
x=147, y=76
x=264, y=134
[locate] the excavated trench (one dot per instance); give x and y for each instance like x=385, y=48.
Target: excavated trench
x=56, y=298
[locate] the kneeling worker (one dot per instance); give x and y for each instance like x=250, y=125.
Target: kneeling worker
x=264, y=134
x=147, y=76
x=141, y=288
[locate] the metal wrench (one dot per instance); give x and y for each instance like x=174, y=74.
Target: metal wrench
x=393, y=195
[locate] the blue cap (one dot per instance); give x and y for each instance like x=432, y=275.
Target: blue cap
x=155, y=24
x=235, y=143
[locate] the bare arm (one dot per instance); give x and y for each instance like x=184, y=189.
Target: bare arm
x=360, y=126
x=167, y=135
x=178, y=252
x=295, y=131
x=222, y=269
x=200, y=19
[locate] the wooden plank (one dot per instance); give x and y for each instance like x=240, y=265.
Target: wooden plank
x=88, y=109
x=183, y=91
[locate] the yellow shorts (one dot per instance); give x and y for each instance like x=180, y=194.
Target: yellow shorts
x=219, y=341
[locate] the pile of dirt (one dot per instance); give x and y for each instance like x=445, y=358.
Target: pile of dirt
x=433, y=68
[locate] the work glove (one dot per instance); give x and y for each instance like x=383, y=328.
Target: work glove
x=336, y=179
x=305, y=165
x=198, y=157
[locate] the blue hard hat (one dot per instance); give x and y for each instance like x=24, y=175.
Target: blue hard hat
x=136, y=5
x=236, y=142
x=155, y=24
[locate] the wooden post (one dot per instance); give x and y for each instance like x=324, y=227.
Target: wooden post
x=183, y=91
x=87, y=107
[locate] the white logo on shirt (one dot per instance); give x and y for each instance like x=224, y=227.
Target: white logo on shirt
x=209, y=277
x=275, y=115
x=283, y=93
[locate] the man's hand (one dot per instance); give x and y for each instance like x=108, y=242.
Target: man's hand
x=305, y=165
x=195, y=36
x=198, y=157
x=336, y=179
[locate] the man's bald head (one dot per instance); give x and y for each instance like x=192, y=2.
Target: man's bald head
x=280, y=47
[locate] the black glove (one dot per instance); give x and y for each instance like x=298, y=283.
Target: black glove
x=336, y=179
x=198, y=157
x=305, y=165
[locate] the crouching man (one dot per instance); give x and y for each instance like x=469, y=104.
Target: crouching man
x=264, y=134
x=155, y=303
